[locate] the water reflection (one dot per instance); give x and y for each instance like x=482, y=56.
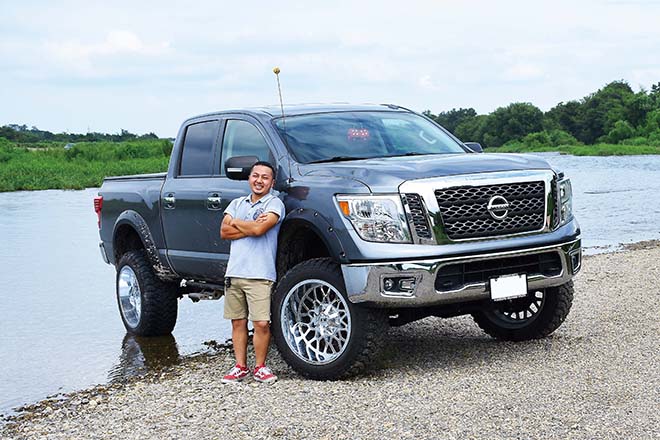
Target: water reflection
x=140, y=355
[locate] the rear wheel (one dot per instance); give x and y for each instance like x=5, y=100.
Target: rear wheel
x=318, y=331
x=147, y=305
x=535, y=316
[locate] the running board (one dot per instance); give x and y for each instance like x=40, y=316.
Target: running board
x=198, y=290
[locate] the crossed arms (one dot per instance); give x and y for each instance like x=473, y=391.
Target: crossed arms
x=233, y=228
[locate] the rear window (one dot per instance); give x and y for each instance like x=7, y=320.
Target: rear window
x=345, y=135
x=197, y=156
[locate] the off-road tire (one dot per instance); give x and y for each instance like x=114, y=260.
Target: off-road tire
x=368, y=326
x=556, y=305
x=159, y=302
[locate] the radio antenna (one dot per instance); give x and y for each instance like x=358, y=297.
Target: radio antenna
x=276, y=71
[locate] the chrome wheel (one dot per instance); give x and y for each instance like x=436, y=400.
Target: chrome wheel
x=315, y=321
x=130, y=297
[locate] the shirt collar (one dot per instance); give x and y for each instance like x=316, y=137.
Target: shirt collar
x=264, y=199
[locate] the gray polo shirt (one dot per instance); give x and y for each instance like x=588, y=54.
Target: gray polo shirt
x=254, y=257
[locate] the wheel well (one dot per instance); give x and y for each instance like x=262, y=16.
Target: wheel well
x=297, y=245
x=126, y=239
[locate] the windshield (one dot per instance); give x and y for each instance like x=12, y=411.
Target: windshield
x=360, y=135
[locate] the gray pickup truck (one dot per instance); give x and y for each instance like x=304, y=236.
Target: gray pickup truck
x=389, y=219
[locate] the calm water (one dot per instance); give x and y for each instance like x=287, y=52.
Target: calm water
x=59, y=326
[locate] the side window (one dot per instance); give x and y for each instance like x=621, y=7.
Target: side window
x=197, y=156
x=243, y=139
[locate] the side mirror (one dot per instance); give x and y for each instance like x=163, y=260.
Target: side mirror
x=474, y=146
x=238, y=167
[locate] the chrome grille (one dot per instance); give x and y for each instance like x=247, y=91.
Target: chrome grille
x=418, y=215
x=465, y=213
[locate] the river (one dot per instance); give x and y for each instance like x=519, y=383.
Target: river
x=59, y=326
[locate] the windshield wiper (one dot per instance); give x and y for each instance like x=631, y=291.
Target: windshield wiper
x=338, y=159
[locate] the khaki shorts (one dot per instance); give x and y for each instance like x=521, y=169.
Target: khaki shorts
x=248, y=299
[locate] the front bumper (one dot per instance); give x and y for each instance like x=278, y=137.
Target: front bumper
x=368, y=282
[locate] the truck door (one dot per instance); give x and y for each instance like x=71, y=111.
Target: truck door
x=241, y=137
x=192, y=203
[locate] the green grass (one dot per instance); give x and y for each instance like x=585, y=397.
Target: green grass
x=583, y=150
x=83, y=166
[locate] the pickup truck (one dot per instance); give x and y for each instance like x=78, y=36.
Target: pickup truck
x=389, y=219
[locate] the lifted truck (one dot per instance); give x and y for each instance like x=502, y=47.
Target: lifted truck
x=389, y=219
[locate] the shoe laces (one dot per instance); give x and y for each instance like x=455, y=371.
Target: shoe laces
x=263, y=371
x=235, y=371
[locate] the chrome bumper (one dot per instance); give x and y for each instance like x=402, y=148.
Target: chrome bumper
x=365, y=282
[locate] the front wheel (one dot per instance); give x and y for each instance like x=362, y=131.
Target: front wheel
x=317, y=330
x=533, y=317
x=147, y=305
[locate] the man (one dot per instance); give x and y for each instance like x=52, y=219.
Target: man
x=252, y=223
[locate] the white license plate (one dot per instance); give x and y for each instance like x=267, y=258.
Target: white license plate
x=508, y=287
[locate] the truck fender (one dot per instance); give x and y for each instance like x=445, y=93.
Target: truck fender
x=131, y=218
x=317, y=223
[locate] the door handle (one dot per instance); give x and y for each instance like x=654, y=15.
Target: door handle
x=213, y=201
x=169, y=201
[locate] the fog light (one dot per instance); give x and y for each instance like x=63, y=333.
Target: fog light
x=576, y=260
x=388, y=284
x=407, y=284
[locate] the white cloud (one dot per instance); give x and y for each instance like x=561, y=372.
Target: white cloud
x=523, y=72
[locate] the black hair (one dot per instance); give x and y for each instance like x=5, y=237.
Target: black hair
x=263, y=163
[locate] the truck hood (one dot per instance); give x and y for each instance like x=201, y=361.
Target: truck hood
x=386, y=174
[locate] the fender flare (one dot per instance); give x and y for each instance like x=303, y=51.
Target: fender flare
x=317, y=223
x=161, y=268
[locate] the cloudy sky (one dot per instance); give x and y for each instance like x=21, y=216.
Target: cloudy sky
x=146, y=65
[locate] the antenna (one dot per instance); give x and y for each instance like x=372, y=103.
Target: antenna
x=276, y=71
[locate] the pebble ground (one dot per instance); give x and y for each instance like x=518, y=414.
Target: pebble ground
x=597, y=377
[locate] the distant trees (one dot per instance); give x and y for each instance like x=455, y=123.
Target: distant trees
x=21, y=134
x=613, y=114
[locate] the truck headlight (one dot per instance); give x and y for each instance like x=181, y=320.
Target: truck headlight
x=565, y=201
x=378, y=218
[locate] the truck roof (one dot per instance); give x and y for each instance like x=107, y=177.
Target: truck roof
x=303, y=109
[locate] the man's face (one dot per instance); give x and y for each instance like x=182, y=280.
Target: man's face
x=261, y=180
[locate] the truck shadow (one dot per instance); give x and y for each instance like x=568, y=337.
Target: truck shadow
x=456, y=343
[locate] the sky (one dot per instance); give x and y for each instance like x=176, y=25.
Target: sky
x=145, y=66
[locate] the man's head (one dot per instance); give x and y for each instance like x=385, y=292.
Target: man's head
x=262, y=178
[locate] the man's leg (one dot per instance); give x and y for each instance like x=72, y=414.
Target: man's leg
x=261, y=340
x=239, y=336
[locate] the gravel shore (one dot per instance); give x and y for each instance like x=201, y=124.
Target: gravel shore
x=597, y=377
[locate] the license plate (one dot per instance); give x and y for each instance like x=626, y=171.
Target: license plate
x=508, y=287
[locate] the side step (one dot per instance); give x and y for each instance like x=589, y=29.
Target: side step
x=199, y=290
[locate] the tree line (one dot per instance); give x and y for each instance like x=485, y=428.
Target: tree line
x=614, y=114
x=21, y=134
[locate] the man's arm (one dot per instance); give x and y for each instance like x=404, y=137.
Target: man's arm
x=256, y=228
x=229, y=232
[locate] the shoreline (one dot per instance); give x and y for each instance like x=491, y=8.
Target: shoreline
x=588, y=346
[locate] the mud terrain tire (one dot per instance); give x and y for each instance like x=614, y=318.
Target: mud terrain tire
x=317, y=330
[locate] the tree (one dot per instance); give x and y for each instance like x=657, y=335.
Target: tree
x=512, y=122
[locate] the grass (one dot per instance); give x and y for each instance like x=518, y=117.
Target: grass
x=83, y=166
x=583, y=150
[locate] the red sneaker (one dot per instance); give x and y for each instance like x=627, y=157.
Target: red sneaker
x=236, y=374
x=263, y=374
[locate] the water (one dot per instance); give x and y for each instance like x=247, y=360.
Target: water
x=59, y=326
x=616, y=199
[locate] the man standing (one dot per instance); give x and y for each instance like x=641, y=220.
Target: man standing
x=252, y=223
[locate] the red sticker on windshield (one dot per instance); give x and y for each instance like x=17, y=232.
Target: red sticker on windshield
x=358, y=133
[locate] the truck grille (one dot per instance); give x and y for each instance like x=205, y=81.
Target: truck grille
x=456, y=276
x=418, y=215
x=465, y=212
